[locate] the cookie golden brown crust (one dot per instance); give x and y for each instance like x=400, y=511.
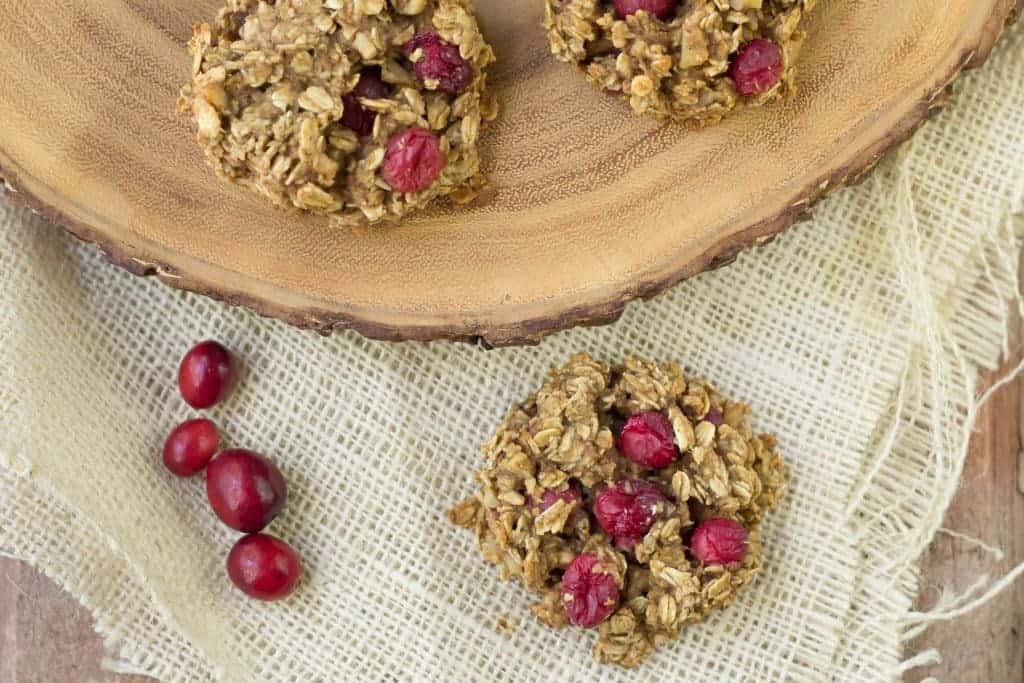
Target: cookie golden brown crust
x=554, y=455
x=271, y=82
x=677, y=68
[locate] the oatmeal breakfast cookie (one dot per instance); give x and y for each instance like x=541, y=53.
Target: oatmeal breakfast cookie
x=359, y=109
x=629, y=497
x=681, y=59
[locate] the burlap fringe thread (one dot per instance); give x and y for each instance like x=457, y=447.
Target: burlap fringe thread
x=936, y=400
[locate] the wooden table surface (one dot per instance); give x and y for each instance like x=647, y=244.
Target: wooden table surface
x=45, y=636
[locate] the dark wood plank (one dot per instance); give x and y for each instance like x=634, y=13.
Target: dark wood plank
x=987, y=645
x=45, y=635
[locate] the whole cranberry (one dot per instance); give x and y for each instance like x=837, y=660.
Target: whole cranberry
x=245, y=489
x=589, y=591
x=627, y=510
x=663, y=9
x=206, y=374
x=551, y=496
x=413, y=160
x=719, y=541
x=264, y=567
x=190, y=446
x=648, y=439
x=757, y=67
x=369, y=87
x=439, y=61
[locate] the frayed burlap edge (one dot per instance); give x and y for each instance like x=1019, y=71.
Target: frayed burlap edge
x=956, y=333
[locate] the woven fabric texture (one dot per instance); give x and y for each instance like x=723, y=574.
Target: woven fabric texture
x=855, y=336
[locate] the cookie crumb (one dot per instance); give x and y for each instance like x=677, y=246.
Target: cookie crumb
x=506, y=626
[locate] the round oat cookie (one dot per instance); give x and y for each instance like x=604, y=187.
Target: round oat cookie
x=363, y=110
x=628, y=497
x=681, y=60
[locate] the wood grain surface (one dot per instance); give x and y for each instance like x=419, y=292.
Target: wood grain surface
x=591, y=206
x=45, y=636
x=985, y=646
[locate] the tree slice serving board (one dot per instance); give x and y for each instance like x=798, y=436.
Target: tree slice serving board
x=591, y=206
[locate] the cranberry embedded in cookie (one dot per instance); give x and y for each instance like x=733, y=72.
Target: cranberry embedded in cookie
x=589, y=591
x=438, y=64
x=663, y=9
x=647, y=439
x=757, y=67
x=714, y=416
x=719, y=541
x=569, y=495
x=628, y=509
x=370, y=87
x=413, y=160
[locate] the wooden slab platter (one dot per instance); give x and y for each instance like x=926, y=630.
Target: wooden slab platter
x=592, y=207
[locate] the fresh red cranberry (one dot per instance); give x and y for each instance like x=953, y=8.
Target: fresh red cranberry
x=264, y=567
x=589, y=591
x=663, y=9
x=440, y=61
x=190, y=446
x=648, y=439
x=369, y=87
x=413, y=160
x=205, y=375
x=245, y=489
x=627, y=510
x=757, y=67
x=719, y=541
x=551, y=496
x=714, y=416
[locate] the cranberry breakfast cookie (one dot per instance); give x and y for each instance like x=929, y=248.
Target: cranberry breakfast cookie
x=629, y=498
x=362, y=110
x=681, y=59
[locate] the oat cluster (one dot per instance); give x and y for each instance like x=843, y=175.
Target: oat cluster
x=268, y=94
x=564, y=437
x=677, y=68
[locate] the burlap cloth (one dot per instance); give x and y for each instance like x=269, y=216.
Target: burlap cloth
x=856, y=337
